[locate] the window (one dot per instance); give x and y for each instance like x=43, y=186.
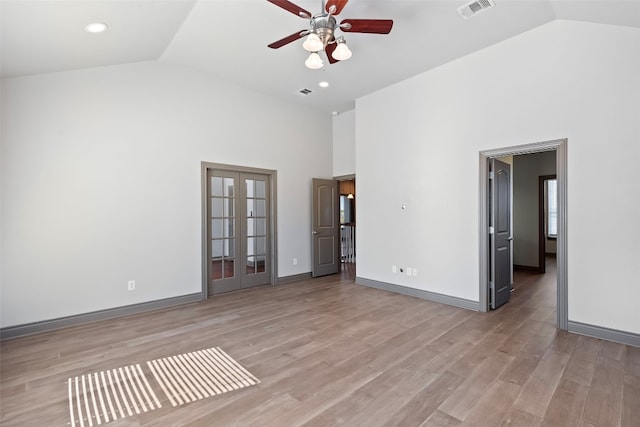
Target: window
x=552, y=208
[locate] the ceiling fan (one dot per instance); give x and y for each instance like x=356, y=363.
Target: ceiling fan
x=322, y=32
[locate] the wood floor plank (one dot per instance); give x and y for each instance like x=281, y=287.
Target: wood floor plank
x=520, y=368
x=613, y=350
x=493, y=405
x=631, y=401
x=520, y=337
x=368, y=403
x=631, y=388
x=632, y=364
x=567, y=404
x=419, y=408
x=604, y=401
x=539, y=389
x=440, y=419
x=516, y=417
x=582, y=362
x=565, y=342
x=462, y=401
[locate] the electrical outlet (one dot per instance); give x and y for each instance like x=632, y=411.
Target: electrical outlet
x=295, y=261
x=393, y=268
x=409, y=271
x=415, y=271
x=131, y=285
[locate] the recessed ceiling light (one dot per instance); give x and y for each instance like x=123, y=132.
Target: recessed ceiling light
x=323, y=84
x=96, y=27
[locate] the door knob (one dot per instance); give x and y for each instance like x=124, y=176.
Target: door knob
x=315, y=232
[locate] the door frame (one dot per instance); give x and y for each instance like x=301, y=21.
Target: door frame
x=560, y=147
x=273, y=241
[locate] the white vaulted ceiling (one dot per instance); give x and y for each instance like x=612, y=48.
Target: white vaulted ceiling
x=42, y=36
x=228, y=39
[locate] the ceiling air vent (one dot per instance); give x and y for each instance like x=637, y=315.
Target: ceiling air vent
x=304, y=91
x=473, y=8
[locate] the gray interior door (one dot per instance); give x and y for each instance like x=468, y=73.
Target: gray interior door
x=325, y=223
x=500, y=233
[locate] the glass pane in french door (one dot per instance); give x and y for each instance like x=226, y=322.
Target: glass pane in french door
x=223, y=251
x=256, y=220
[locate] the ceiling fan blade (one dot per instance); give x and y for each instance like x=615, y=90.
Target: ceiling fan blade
x=286, y=40
x=375, y=26
x=296, y=10
x=329, y=48
x=337, y=4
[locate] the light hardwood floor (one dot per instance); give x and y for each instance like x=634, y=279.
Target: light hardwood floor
x=329, y=352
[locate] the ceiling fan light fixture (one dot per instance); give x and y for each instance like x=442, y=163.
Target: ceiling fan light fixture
x=313, y=43
x=321, y=32
x=341, y=52
x=314, y=61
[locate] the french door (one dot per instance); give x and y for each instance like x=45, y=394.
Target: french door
x=239, y=240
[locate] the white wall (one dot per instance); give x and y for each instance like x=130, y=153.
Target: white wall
x=526, y=171
x=344, y=143
x=101, y=182
x=417, y=144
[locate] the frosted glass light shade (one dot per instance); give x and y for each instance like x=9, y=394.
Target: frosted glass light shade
x=341, y=52
x=314, y=61
x=312, y=43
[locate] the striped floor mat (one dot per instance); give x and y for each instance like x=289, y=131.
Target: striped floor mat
x=101, y=397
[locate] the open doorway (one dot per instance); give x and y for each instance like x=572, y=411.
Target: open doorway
x=485, y=258
x=532, y=175
x=534, y=214
x=347, y=205
x=348, y=221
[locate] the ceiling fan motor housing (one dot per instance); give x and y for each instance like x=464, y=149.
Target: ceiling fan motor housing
x=323, y=25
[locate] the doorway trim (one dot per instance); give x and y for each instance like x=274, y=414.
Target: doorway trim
x=560, y=147
x=273, y=244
